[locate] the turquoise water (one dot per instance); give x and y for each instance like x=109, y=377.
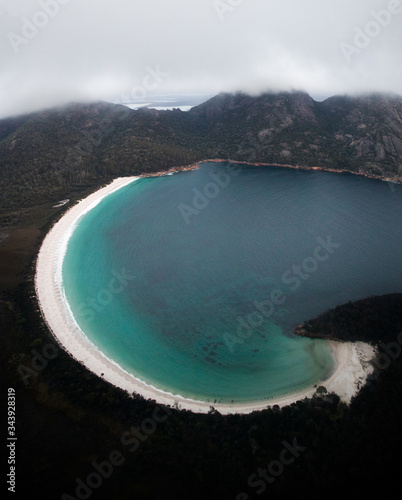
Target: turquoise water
x=194, y=282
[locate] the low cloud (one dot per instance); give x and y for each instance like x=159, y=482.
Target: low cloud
x=56, y=51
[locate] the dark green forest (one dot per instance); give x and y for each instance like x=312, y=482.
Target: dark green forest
x=370, y=320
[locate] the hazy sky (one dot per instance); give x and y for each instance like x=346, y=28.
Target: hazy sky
x=56, y=51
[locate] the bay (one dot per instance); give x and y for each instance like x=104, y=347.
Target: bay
x=194, y=282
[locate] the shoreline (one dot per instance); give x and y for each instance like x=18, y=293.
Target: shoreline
x=195, y=166
x=351, y=359
x=316, y=169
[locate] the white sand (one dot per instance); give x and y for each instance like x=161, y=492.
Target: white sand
x=351, y=359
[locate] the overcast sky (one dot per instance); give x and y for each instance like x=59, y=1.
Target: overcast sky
x=104, y=49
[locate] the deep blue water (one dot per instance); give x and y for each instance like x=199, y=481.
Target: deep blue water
x=195, y=281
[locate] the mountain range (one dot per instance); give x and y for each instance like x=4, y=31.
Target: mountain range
x=44, y=154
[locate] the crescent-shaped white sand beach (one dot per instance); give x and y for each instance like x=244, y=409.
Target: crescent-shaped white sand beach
x=351, y=359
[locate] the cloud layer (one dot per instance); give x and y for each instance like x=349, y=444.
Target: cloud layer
x=56, y=51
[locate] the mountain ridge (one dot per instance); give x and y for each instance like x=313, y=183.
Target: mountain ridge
x=43, y=154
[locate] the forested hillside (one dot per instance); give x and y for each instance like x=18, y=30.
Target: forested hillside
x=43, y=155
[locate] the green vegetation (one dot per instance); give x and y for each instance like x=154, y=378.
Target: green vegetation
x=49, y=155
x=370, y=320
x=44, y=155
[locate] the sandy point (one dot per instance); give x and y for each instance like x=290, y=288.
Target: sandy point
x=351, y=359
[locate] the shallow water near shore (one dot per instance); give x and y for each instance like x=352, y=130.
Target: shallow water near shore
x=194, y=282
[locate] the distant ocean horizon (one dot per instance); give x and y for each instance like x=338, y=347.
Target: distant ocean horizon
x=194, y=282
x=162, y=102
